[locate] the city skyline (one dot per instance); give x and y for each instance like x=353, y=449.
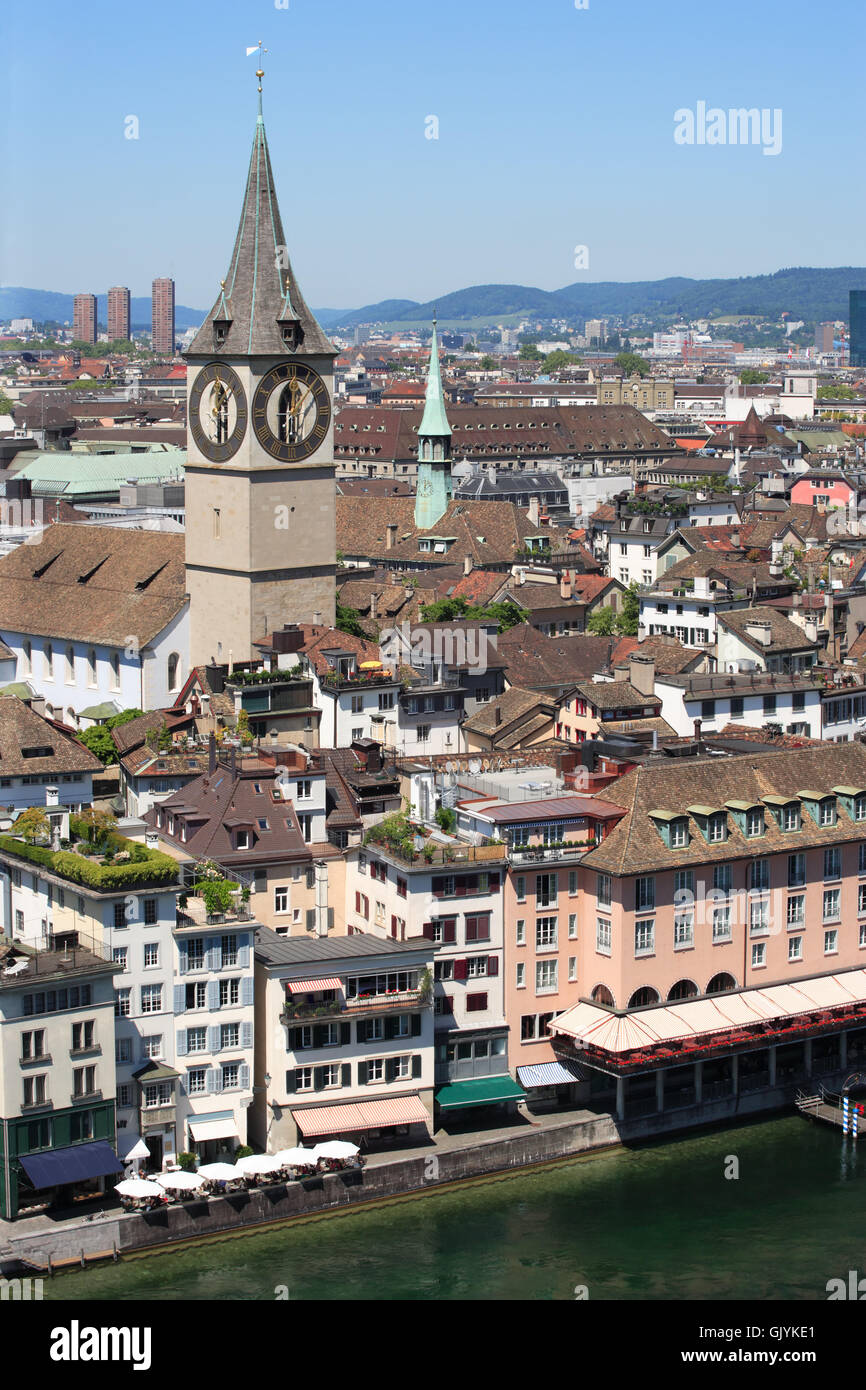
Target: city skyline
x=583, y=104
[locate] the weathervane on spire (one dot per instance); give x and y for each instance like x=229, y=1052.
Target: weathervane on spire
x=260, y=72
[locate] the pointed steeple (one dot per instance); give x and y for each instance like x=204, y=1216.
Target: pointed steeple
x=434, y=421
x=434, y=488
x=260, y=310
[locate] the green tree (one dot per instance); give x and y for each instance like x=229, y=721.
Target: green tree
x=6, y=406
x=487, y=363
x=751, y=377
x=98, y=739
x=447, y=610
x=836, y=393
x=32, y=825
x=446, y=819
x=627, y=619
x=348, y=621
x=529, y=353
x=469, y=347
x=631, y=363
x=555, y=361
x=602, y=623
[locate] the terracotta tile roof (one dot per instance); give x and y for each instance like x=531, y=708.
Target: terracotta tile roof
x=536, y=662
x=635, y=845
x=21, y=728
x=93, y=584
x=222, y=798
x=488, y=532
x=615, y=695
x=516, y=709
x=670, y=657
x=131, y=735
x=785, y=636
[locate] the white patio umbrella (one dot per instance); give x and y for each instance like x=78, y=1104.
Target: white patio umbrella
x=335, y=1148
x=138, y=1187
x=258, y=1163
x=295, y=1158
x=138, y=1150
x=219, y=1172
x=181, y=1180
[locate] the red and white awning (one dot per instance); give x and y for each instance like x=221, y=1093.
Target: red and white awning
x=308, y=986
x=368, y=1114
x=597, y=1027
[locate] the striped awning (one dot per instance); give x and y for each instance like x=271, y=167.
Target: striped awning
x=551, y=1074
x=594, y=1026
x=308, y=986
x=368, y=1114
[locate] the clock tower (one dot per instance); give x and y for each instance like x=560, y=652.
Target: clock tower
x=434, y=487
x=260, y=490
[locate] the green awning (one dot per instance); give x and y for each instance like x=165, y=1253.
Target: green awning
x=19, y=688
x=107, y=710
x=483, y=1091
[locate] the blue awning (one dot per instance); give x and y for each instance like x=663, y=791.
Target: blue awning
x=551, y=1074
x=75, y=1164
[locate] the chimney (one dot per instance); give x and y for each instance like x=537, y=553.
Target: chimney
x=390, y=535
x=52, y=796
x=642, y=674
x=497, y=716
x=317, y=618
x=321, y=872
x=467, y=564
x=211, y=754
x=697, y=730
x=374, y=607
x=566, y=588
x=533, y=510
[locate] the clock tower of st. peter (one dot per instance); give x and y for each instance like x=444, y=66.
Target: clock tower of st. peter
x=260, y=492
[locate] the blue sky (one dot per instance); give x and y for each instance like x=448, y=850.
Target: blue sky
x=555, y=130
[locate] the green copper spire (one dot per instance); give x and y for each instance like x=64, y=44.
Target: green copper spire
x=434, y=488
x=435, y=421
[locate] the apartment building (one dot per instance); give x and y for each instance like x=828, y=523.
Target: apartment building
x=453, y=893
x=213, y=1003
x=344, y=1040
x=57, y=1083
x=38, y=761
x=794, y=702
x=724, y=884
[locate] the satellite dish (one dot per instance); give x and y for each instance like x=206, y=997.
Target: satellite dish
x=449, y=767
x=474, y=766
x=486, y=765
x=452, y=776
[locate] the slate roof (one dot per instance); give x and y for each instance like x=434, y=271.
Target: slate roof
x=221, y=798
x=272, y=949
x=94, y=584
x=22, y=728
x=513, y=705
x=635, y=846
x=260, y=287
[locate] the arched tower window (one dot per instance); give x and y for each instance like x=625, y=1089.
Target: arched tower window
x=173, y=670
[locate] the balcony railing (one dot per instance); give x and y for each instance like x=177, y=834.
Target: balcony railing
x=336, y=680
x=438, y=855
x=359, y=1004
x=541, y=854
x=399, y=999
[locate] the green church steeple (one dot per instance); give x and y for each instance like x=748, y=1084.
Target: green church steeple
x=434, y=448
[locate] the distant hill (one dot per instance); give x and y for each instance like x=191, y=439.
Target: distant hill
x=814, y=294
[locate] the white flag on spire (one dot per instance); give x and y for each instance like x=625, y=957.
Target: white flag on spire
x=254, y=49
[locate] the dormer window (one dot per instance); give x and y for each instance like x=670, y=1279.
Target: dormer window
x=679, y=833
x=220, y=331
x=827, y=811
x=242, y=839
x=717, y=827
x=754, y=822
x=791, y=816
x=860, y=808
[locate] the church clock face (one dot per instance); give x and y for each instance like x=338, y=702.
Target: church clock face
x=217, y=412
x=291, y=411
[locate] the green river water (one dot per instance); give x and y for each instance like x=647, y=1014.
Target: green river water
x=660, y=1222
